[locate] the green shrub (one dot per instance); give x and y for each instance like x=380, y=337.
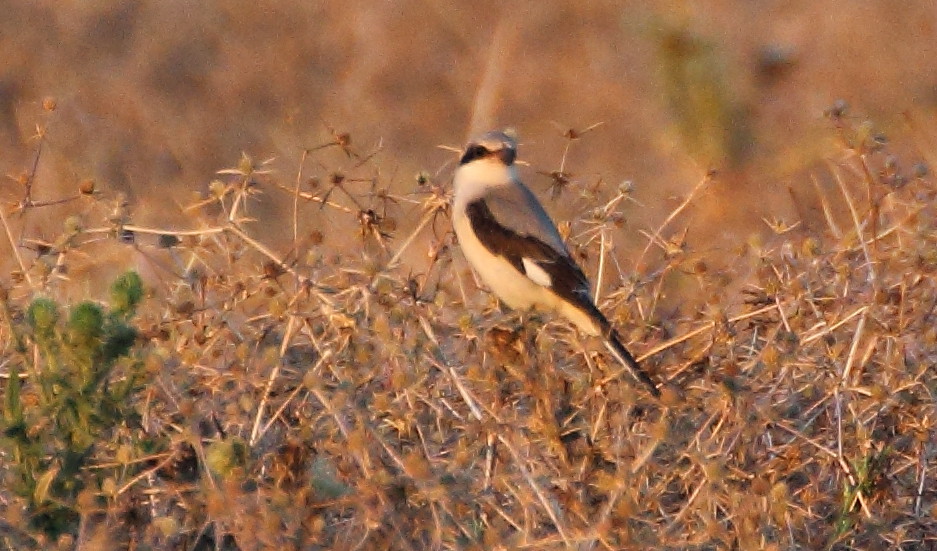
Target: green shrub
x=77, y=398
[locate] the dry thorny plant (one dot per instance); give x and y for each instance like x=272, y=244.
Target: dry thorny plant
x=331, y=399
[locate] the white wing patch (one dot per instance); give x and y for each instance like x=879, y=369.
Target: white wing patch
x=536, y=274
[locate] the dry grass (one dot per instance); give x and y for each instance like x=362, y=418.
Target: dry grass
x=319, y=397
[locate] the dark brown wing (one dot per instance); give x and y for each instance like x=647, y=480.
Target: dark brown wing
x=566, y=278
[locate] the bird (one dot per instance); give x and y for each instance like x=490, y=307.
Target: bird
x=513, y=245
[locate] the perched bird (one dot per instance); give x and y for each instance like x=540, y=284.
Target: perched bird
x=515, y=248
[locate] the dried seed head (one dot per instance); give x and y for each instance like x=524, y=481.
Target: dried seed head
x=167, y=241
x=837, y=110
x=891, y=162
x=245, y=164
x=73, y=225
x=217, y=188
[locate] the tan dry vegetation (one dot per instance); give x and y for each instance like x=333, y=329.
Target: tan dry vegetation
x=333, y=400
x=320, y=370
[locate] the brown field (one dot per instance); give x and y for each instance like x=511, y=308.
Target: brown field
x=311, y=364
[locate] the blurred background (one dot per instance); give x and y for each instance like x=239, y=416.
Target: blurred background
x=151, y=98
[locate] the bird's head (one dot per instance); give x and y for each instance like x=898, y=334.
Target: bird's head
x=495, y=145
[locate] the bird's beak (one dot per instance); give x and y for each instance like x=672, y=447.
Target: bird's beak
x=507, y=156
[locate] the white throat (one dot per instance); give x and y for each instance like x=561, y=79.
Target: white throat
x=473, y=179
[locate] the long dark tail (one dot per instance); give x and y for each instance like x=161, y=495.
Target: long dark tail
x=613, y=343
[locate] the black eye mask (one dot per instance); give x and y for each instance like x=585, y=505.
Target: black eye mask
x=506, y=154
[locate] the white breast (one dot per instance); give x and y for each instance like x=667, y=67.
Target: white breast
x=510, y=285
x=514, y=288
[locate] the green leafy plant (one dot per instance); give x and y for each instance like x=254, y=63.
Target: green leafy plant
x=71, y=397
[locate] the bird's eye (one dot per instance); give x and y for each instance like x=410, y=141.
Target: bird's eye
x=474, y=152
